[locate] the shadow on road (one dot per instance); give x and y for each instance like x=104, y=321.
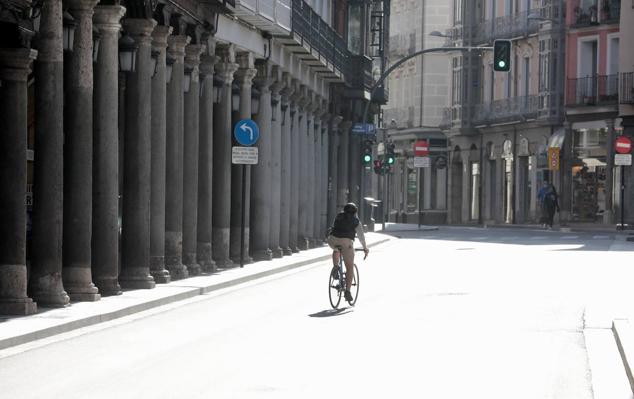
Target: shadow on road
x=331, y=312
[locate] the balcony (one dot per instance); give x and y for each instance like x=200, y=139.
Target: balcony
x=506, y=110
x=588, y=13
x=506, y=27
x=316, y=43
x=626, y=93
x=593, y=91
x=273, y=16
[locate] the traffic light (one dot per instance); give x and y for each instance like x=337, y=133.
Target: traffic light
x=366, y=157
x=390, y=157
x=378, y=167
x=502, y=55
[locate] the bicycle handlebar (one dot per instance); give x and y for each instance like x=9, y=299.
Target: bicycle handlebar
x=361, y=250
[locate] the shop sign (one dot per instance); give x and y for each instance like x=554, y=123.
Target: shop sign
x=553, y=158
x=623, y=159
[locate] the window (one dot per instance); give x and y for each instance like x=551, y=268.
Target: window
x=355, y=29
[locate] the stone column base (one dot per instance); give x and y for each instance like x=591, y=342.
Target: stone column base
x=108, y=286
x=158, y=271
x=278, y=253
x=17, y=307
x=263, y=254
x=220, y=240
x=295, y=250
x=204, y=257
x=49, y=291
x=78, y=284
x=176, y=269
x=193, y=268
x=136, y=278
x=287, y=251
x=303, y=244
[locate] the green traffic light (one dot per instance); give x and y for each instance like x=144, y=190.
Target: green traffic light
x=390, y=160
x=367, y=158
x=501, y=64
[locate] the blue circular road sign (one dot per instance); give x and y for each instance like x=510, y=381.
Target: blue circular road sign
x=246, y=132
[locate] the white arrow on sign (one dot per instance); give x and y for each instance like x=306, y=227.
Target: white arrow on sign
x=244, y=128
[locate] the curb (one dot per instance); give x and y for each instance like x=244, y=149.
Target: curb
x=189, y=292
x=623, y=334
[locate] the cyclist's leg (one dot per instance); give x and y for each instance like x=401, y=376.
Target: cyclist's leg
x=348, y=260
x=335, y=253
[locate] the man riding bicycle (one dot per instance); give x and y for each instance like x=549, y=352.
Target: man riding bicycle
x=344, y=229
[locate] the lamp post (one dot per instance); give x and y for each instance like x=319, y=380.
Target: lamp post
x=127, y=54
x=69, y=31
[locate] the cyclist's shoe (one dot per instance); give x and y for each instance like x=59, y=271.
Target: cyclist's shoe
x=335, y=273
x=348, y=296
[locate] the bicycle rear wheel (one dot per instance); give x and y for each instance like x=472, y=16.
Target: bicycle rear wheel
x=334, y=291
x=354, y=288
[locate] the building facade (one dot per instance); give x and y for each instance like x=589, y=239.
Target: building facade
x=118, y=120
x=419, y=93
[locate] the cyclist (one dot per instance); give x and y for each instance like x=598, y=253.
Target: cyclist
x=344, y=229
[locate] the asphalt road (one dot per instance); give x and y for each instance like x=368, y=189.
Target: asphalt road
x=453, y=313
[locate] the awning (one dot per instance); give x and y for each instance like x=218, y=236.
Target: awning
x=557, y=139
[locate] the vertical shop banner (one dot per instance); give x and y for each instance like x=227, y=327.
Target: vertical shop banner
x=553, y=158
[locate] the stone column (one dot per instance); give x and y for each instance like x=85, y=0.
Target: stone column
x=333, y=167
x=135, y=231
x=78, y=158
x=190, y=159
x=174, y=161
x=159, y=132
x=221, y=214
x=565, y=169
x=45, y=282
x=302, y=240
x=343, y=161
x=354, y=171
x=261, y=196
x=276, y=167
x=244, y=76
x=285, y=200
x=310, y=173
x=295, y=171
x=205, y=162
x=319, y=189
x=105, y=201
x=325, y=162
x=15, y=65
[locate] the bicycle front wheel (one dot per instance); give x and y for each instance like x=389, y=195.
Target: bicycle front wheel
x=354, y=288
x=334, y=291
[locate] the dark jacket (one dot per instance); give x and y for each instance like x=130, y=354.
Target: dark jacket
x=344, y=226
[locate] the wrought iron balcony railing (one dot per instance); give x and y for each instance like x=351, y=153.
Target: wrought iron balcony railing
x=594, y=13
x=271, y=15
x=593, y=90
x=506, y=110
x=318, y=38
x=626, y=93
x=506, y=27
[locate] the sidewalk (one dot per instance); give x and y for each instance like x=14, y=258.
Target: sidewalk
x=48, y=322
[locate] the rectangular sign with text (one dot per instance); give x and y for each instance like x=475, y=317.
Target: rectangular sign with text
x=244, y=155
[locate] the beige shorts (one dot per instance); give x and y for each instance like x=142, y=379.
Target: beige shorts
x=347, y=249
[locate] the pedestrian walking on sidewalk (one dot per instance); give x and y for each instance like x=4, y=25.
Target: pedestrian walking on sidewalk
x=549, y=203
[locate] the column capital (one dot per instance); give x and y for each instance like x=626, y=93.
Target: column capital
x=159, y=37
x=335, y=121
x=345, y=125
x=207, y=63
x=278, y=84
x=176, y=47
x=15, y=64
x=140, y=29
x=81, y=5
x=192, y=59
x=289, y=88
x=264, y=78
x=107, y=18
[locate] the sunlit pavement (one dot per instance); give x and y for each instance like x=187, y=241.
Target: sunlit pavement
x=446, y=313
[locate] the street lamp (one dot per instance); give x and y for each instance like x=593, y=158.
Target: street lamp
x=187, y=79
x=154, y=61
x=169, y=63
x=69, y=31
x=127, y=54
x=96, y=39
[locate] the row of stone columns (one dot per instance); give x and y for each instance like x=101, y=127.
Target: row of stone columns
x=178, y=198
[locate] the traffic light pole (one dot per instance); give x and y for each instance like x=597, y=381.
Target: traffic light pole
x=400, y=62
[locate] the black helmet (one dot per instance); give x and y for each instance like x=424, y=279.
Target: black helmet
x=350, y=207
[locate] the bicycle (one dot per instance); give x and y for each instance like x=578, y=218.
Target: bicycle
x=337, y=285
